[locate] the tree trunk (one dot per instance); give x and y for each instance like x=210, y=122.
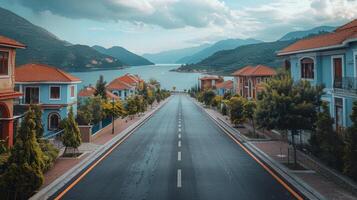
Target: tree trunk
x=254, y=133
x=293, y=132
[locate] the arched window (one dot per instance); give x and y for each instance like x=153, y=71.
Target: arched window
x=53, y=121
x=307, y=68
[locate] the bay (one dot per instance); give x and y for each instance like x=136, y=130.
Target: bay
x=160, y=72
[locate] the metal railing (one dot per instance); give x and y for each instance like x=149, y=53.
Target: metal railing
x=346, y=83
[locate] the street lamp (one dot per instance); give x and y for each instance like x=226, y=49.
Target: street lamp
x=113, y=116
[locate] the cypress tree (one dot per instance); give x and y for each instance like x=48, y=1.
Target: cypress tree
x=328, y=144
x=100, y=88
x=24, y=174
x=71, y=136
x=350, y=150
x=38, y=120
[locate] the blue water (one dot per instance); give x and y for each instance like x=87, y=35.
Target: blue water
x=161, y=73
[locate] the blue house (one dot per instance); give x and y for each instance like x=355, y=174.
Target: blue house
x=54, y=90
x=329, y=59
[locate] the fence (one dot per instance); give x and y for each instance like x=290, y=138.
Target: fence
x=97, y=127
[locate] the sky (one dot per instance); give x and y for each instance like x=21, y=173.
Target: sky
x=150, y=26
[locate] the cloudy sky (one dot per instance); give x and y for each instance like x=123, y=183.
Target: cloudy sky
x=145, y=26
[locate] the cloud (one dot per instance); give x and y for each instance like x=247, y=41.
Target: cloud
x=169, y=14
x=188, y=22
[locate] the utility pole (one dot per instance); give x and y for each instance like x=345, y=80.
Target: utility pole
x=113, y=116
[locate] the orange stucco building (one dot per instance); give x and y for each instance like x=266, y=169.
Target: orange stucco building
x=7, y=83
x=210, y=82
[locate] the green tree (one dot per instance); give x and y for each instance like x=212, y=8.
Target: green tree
x=100, y=88
x=25, y=164
x=131, y=107
x=350, y=150
x=115, y=108
x=38, y=120
x=236, y=110
x=284, y=105
x=249, y=108
x=91, y=111
x=325, y=142
x=71, y=135
x=208, y=97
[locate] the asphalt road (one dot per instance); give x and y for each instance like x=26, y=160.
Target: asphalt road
x=178, y=154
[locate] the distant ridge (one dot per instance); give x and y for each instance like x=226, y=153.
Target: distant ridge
x=123, y=55
x=44, y=47
x=218, y=46
x=301, y=34
x=172, y=56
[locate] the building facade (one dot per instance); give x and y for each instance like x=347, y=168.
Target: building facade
x=330, y=60
x=210, y=82
x=7, y=83
x=224, y=88
x=248, y=81
x=54, y=90
x=89, y=92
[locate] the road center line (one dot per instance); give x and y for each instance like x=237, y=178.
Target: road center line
x=179, y=129
x=179, y=156
x=179, y=136
x=179, y=143
x=179, y=184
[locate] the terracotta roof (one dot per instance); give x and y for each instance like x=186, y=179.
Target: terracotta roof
x=90, y=92
x=42, y=73
x=259, y=70
x=118, y=84
x=211, y=78
x=130, y=79
x=225, y=85
x=336, y=39
x=4, y=41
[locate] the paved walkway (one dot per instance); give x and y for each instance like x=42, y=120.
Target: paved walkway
x=277, y=150
x=62, y=165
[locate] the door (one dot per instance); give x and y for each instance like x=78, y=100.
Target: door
x=337, y=71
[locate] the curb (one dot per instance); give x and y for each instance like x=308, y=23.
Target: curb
x=296, y=183
x=67, y=177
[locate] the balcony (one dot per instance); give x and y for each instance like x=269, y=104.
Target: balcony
x=346, y=85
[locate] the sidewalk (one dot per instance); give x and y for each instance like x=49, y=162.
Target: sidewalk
x=62, y=165
x=277, y=150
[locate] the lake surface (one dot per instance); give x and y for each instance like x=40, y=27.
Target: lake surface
x=162, y=73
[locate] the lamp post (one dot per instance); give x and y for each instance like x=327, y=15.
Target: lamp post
x=113, y=116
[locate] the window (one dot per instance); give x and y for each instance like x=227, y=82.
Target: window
x=307, y=68
x=53, y=121
x=55, y=92
x=4, y=63
x=32, y=95
x=258, y=80
x=72, y=91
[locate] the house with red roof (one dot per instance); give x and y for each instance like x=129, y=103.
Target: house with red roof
x=249, y=80
x=54, y=90
x=125, y=86
x=224, y=88
x=7, y=84
x=210, y=82
x=90, y=91
x=330, y=60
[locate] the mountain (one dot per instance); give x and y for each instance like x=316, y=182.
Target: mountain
x=44, y=47
x=306, y=33
x=227, y=61
x=218, y=46
x=167, y=57
x=123, y=55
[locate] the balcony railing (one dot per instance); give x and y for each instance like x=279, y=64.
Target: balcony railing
x=346, y=83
